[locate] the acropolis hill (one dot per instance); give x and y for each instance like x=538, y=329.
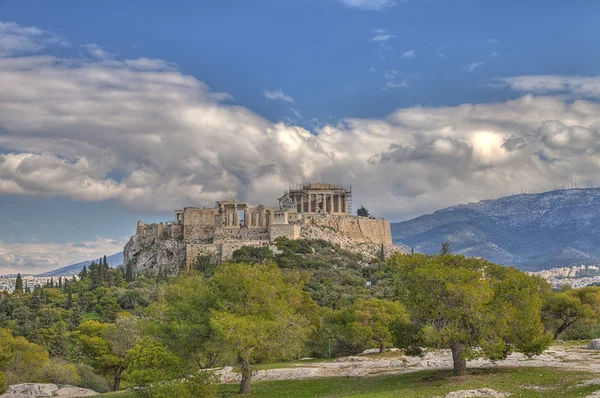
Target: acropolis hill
x=219, y=231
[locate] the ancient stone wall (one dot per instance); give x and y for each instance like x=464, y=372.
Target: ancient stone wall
x=290, y=231
x=199, y=224
x=160, y=231
x=243, y=234
x=359, y=229
x=194, y=249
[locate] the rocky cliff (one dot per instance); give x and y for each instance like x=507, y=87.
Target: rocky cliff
x=149, y=253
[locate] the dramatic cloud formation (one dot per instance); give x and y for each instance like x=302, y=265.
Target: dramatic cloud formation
x=141, y=132
x=377, y=5
x=278, y=95
x=40, y=257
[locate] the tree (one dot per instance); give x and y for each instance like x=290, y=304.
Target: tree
x=570, y=307
x=58, y=345
x=257, y=315
x=20, y=360
x=161, y=373
x=471, y=306
x=445, y=248
x=19, y=284
x=375, y=318
x=129, y=272
x=105, y=346
x=252, y=254
x=363, y=212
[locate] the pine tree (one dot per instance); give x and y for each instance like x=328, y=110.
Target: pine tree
x=69, y=299
x=58, y=345
x=19, y=284
x=129, y=272
x=83, y=273
x=75, y=319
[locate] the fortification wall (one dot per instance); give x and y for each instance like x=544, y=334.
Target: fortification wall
x=359, y=229
x=199, y=224
x=290, y=231
x=160, y=231
x=227, y=234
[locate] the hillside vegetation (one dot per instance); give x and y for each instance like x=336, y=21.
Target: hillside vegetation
x=309, y=298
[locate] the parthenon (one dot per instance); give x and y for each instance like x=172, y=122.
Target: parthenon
x=318, y=198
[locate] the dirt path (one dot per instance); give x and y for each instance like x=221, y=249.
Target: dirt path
x=567, y=357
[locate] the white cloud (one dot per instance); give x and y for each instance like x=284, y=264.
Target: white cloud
x=16, y=39
x=472, y=67
x=392, y=84
x=296, y=113
x=278, y=95
x=376, y=5
x=494, y=55
x=40, y=257
x=71, y=125
x=381, y=38
x=409, y=54
x=390, y=74
x=493, y=41
x=585, y=86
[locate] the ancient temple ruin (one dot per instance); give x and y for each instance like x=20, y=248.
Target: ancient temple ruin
x=219, y=231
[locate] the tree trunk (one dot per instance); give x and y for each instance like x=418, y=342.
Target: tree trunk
x=460, y=363
x=246, y=375
x=382, y=348
x=117, y=383
x=562, y=328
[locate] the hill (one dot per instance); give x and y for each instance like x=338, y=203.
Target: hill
x=531, y=231
x=113, y=261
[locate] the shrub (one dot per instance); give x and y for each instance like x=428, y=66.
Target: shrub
x=59, y=371
x=3, y=384
x=91, y=380
x=201, y=385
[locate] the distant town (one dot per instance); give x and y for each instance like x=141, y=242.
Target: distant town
x=7, y=283
x=575, y=276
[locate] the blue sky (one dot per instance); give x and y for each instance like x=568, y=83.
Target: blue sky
x=112, y=113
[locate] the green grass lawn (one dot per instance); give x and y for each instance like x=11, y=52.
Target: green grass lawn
x=88, y=316
x=521, y=382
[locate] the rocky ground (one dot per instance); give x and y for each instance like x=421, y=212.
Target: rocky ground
x=29, y=390
x=573, y=358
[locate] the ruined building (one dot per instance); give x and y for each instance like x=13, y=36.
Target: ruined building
x=219, y=231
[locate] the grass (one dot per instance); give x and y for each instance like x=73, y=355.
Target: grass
x=88, y=316
x=521, y=382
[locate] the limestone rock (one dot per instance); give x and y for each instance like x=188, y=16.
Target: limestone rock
x=29, y=390
x=594, y=345
x=32, y=390
x=152, y=255
x=71, y=392
x=481, y=392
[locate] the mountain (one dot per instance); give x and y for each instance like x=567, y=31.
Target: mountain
x=531, y=232
x=113, y=261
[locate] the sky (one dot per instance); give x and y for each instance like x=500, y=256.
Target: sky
x=114, y=111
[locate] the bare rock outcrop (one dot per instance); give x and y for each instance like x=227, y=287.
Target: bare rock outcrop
x=28, y=390
x=594, y=345
x=152, y=255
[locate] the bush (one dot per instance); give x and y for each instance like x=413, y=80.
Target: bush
x=59, y=371
x=3, y=384
x=91, y=380
x=201, y=385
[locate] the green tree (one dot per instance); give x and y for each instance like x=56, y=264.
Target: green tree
x=129, y=272
x=161, y=373
x=257, y=315
x=19, y=284
x=445, y=248
x=22, y=360
x=58, y=346
x=105, y=346
x=570, y=307
x=252, y=254
x=375, y=318
x=470, y=306
x=363, y=212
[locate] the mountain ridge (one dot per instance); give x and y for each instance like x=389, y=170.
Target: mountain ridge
x=113, y=261
x=529, y=231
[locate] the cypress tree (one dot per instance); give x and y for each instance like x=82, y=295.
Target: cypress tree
x=69, y=299
x=60, y=284
x=83, y=273
x=129, y=272
x=51, y=282
x=19, y=284
x=58, y=345
x=76, y=319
